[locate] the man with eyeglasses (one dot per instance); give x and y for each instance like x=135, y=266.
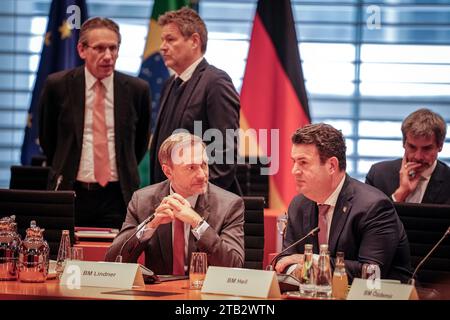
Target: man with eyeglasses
x=94, y=128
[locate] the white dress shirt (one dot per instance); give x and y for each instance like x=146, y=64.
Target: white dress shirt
x=86, y=168
x=187, y=74
x=417, y=195
x=331, y=201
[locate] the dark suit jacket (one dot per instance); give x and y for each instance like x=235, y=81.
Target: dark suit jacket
x=365, y=226
x=61, y=125
x=223, y=241
x=211, y=98
x=385, y=176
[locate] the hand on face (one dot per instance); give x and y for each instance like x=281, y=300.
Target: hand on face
x=409, y=179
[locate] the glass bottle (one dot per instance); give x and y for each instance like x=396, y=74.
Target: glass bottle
x=33, y=255
x=340, y=280
x=63, y=253
x=307, y=279
x=9, y=248
x=323, y=279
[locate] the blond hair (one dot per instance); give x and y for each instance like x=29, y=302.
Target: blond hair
x=188, y=22
x=176, y=140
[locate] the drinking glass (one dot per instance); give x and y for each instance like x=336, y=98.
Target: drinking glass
x=76, y=253
x=281, y=224
x=197, y=270
x=372, y=274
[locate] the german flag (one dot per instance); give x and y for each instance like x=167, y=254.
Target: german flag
x=273, y=94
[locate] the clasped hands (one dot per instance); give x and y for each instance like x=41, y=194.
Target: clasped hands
x=172, y=207
x=297, y=259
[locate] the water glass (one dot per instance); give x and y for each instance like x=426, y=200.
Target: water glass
x=197, y=270
x=372, y=274
x=76, y=253
x=281, y=224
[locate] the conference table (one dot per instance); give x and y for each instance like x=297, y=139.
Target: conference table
x=51, y=289
x=95, y=251
x=168, y=290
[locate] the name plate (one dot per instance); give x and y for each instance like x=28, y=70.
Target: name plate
x=79, y=274
x=241, y=282
x=363, y=289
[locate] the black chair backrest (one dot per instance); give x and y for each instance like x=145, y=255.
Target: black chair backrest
x=52, y=210
x=251, y=181
x=254, y=232
x=425, y=224
x=29, y=177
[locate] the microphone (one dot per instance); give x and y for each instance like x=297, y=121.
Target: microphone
x=58, y=182
x=270, y=267
x=143, y=224
x=412, y=281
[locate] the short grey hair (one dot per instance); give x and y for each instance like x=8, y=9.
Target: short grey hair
x=97, y=23
x=423, y=123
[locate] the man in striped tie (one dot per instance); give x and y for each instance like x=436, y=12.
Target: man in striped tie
x=353, y=217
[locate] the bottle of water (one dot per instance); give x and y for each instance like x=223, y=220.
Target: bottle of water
x=63, y=253
x=323, y=279
x=340, y=280
x=307, y=279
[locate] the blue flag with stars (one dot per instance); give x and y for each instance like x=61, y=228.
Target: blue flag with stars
x=59, y=52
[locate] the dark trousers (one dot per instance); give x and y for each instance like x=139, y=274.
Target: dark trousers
x=99, y=207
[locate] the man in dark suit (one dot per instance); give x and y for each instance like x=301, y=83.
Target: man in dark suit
x=418, y=177
x=198, y=98
x=353, y=217
x=94, y=128
x=188, y=214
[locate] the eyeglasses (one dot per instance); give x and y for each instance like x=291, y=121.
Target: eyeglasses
x=100, y=49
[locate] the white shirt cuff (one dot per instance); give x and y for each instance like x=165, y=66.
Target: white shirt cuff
x=200, y=230
x=293, y=266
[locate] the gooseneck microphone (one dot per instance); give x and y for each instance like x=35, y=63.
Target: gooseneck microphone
x=270, y=267
x=58, y=182
x=411, y=281
x=143, y=224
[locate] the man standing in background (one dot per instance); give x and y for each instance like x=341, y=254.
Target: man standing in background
x=198, y=92
x=94, y=128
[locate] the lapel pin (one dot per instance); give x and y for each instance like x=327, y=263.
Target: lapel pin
x=344, y=209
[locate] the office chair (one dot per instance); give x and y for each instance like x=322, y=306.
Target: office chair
x=254, y=232
x=52, y=210
x=29, y=177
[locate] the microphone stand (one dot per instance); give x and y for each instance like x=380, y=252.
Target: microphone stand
x=412, y=281
x=270, y=266
x=119, y=256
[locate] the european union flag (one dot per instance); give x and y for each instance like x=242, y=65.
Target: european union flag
x=59, y=52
